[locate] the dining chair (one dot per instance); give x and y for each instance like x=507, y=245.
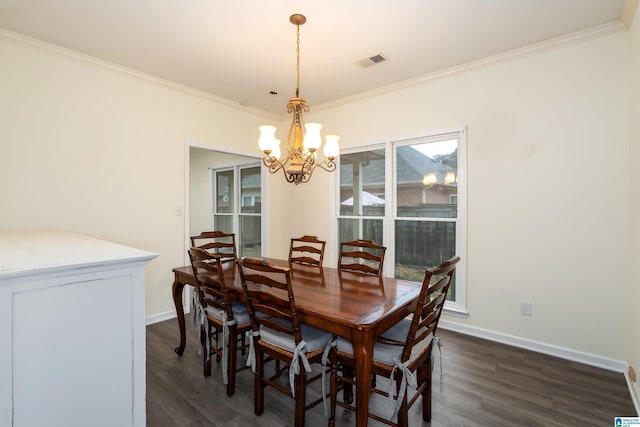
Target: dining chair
x=221, y=320
x=217, y=243
x=306, y=250
x=402, y=353
x=277, y=333
x=361, y=256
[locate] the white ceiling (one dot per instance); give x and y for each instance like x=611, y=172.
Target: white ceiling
x=242, y=49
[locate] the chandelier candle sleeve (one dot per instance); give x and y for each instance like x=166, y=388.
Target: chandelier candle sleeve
x=331, y=148
x=303, y=140
x=312, y=138
x=276, y=149
x=267, y=138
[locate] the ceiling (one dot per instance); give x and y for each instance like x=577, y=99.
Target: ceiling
x=242, y=50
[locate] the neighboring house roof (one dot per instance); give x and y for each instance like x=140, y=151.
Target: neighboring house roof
x=250, y=181
x=412, y=166
x=367, y=199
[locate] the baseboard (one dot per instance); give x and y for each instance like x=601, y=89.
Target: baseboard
x=171, y=314
x=539, y=347
x=635, y=392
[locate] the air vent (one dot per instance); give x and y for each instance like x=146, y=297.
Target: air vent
x=373, y=60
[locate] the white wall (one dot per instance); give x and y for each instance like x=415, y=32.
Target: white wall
x=548, y=183
x=634, y=192
x=101, y=152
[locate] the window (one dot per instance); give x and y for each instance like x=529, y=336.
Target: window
x=409, y=196
x=242, y=183
x=362, y=181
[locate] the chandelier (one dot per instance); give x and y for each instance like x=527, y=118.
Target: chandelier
x=303, y=140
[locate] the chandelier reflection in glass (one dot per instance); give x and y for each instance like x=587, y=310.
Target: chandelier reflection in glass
x=303, y=140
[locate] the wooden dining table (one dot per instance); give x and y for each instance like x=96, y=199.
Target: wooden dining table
x=356, y=307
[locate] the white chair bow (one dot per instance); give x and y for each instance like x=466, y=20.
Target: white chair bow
x=294, y=369
x=251, y=356
x=325, y=359
x=408, y=377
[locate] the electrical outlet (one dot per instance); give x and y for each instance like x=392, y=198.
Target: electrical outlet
x=632, y=374
x=525, y=308
x=179, y=210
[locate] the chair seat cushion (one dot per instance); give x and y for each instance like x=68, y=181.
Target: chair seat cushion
x=385, y=353
x=315, y=338
x=239, y=312
x=399, y=331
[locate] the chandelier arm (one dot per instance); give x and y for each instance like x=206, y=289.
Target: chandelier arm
x=289, y=177
x=274, y=164
x=328, y=165
x=305, y=177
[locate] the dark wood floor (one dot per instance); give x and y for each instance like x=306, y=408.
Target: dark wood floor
x=483, y=384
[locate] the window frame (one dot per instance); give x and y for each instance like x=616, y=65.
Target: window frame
x=459, y=305
x=236, y=213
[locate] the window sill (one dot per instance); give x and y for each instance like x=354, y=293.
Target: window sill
x=456, y=312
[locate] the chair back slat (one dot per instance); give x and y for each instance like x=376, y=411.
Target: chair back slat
x=261, y=279
x=306, y=250
x=362, y=268
x=209, y=278
x=428, y=309
x=311, y=249
x=217, y=243
x=368, y=258
x=268, y=291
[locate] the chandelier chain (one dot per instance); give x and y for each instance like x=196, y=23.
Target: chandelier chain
x=298, y=61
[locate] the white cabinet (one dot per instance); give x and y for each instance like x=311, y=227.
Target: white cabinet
x=72, y=331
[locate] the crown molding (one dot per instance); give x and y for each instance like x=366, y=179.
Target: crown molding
x=630, y=7
x=594, y=32
x=566, y=40
x=61, y=52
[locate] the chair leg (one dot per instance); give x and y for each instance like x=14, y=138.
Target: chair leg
x=301, y=397
x=347, y=389
x=231, y=363
x=218, y=347
x=403, y=412
x=258, y=384
x=206, y=358
x=242, y=345
x=425, y=372
x=333, y=389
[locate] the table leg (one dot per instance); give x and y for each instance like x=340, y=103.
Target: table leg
x=177, y=288
x=363, y=353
